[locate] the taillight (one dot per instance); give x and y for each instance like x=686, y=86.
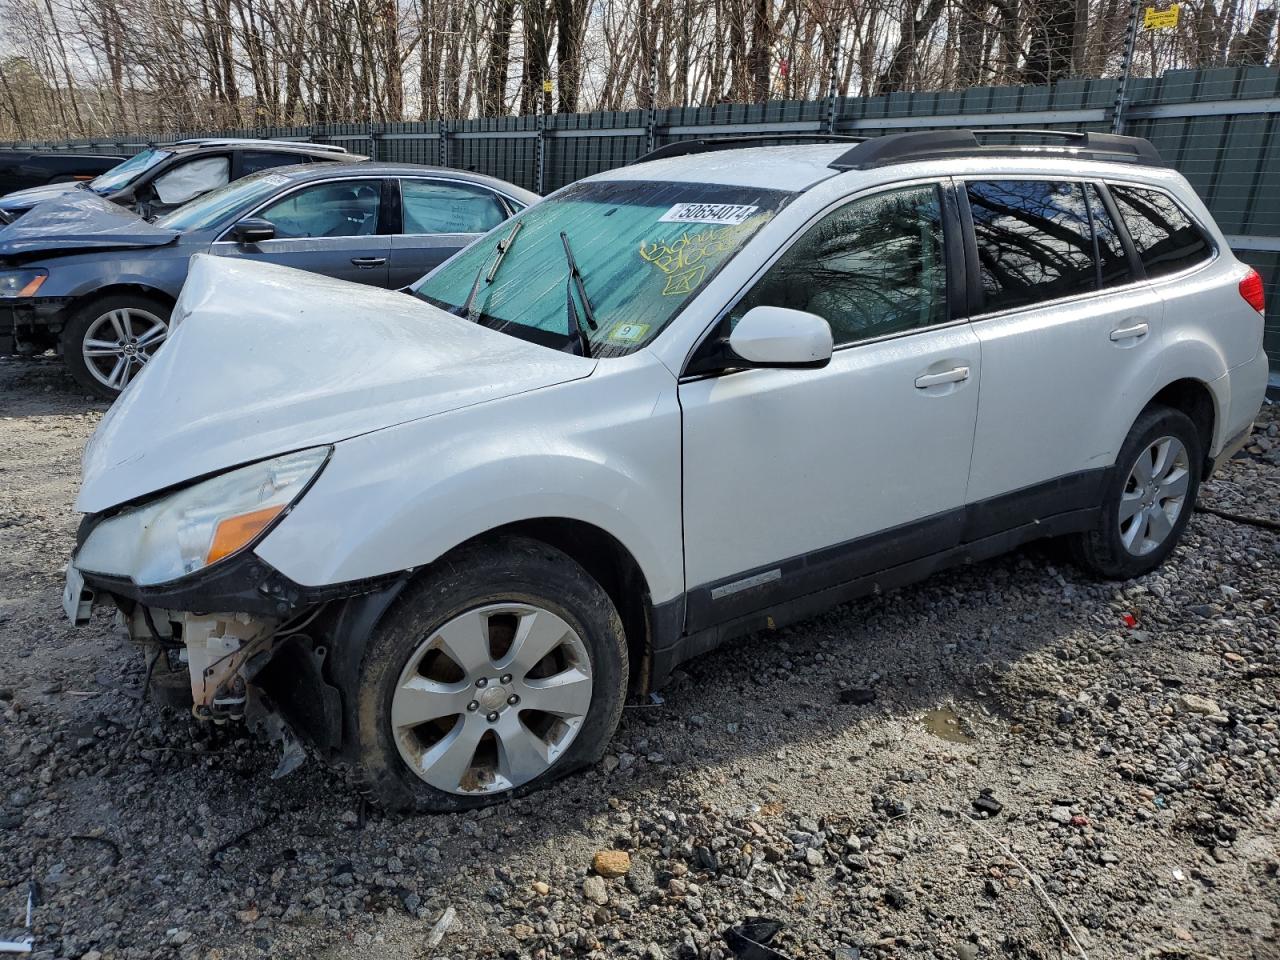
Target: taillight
x=1251, y=290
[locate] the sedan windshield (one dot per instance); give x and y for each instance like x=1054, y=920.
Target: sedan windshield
x=123, y=174
x=643, y=250
x=213, y=207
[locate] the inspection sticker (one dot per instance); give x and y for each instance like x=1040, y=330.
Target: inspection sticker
x=728, y=213
x=275, y=180
x=623, y=332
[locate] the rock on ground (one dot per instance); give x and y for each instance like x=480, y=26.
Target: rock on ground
x=821, y=775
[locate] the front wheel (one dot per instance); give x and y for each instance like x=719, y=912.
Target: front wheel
x=107, y=341
x=497, y=673
x=1149, y=498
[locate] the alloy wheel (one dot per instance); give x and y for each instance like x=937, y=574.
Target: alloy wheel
x=1154, y=495
x=119, y=342
x=491, y=699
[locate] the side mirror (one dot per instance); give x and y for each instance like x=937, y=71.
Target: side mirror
x=779, y=337
x=253, y=230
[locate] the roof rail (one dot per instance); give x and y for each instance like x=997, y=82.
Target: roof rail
x=682, y=148
x=232, y=141
x=945, y=144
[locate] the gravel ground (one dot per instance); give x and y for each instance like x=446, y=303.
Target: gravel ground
x=823, y=776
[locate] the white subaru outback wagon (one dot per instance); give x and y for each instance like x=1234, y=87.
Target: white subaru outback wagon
x=443, y=536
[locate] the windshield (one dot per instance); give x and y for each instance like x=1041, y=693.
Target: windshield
x=211, y=208
x=644, y=249
x=123, y=174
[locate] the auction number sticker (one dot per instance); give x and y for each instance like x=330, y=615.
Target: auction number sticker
x=730, y=214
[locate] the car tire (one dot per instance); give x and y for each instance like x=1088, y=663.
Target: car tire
x=1149, y=498
x=443, y=724
x=113, y=320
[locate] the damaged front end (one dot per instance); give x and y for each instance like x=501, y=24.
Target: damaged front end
x=223, y=632
x=214, y=664
x=285, y=675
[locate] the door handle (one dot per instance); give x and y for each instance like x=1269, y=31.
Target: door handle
x=1129, y=333
x=954, y=375
x=366, y=263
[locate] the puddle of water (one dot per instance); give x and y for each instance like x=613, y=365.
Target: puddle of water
x=944, y=723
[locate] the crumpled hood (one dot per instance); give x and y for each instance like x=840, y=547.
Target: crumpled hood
x=28, y=198
x=79, y=219
x=265, y=360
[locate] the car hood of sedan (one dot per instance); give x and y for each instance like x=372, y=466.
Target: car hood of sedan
x=28, y=198
x=79, y=220
x=263, y=360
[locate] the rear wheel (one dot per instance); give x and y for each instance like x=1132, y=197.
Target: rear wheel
x=108, y=341
x=1149, y=499
x=494, y=675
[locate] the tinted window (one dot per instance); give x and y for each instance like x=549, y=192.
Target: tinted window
x=1113, y=262
x=1034, y=241
x=343, y=209
x=875, y=266
x=251, y=161
x=434, y=207
x=1166, y=238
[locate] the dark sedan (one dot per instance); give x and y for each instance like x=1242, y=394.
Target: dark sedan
x=20, y=169
x=98, y=282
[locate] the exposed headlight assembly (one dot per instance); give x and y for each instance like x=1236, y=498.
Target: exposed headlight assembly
x=21, y=283
x=196, y=527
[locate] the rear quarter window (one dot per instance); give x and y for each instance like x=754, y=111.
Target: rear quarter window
x=1166, y=237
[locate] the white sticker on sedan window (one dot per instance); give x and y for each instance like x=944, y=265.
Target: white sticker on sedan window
x=727, y=213
x=274, y=180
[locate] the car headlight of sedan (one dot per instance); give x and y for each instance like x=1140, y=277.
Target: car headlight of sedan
x=200, y=525
x=15, y=284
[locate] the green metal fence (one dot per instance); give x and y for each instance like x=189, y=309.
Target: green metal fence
x=1220, y=128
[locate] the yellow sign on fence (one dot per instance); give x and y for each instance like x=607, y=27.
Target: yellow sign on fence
x=1154, y=19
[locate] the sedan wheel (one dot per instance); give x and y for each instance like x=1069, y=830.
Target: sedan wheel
x=1154, y=495
x=492, y=699
x=119, y=342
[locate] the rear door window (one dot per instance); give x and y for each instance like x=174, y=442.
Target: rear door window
x=251, y=161
x=431, y=206
x=1114, y=268
x=1167, y=239
x=1034, y=241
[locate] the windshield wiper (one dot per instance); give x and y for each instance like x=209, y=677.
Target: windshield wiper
x=503, y=246
x=575, y=277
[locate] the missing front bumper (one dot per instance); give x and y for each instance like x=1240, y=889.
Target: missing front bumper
x=297, y=650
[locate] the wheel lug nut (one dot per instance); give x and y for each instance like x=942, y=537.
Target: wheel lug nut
x=506, y=678
x=482, y=682
x=493, y=717
x=473, y=706
x=513, y=700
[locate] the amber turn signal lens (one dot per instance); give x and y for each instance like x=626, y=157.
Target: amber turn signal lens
x=234, y=532
x=30, y=289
